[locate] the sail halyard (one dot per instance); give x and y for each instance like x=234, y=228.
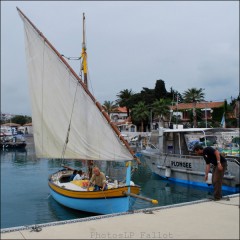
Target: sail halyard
x=87, y=98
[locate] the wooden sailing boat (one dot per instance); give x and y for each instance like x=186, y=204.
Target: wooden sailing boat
x=69, y=123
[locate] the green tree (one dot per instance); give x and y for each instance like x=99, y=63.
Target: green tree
x=217, y=115
x=160, y=89
x=109, y=106
x=175, y=96
x=20, y=119
x=161, y=108
x=134, y=99
x=124, y=98
x=140, y=113
x=194, y=95
x=147, y=95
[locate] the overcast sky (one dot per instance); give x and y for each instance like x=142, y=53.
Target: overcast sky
x=130, y=45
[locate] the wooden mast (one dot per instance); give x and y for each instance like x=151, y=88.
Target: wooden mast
x=84, y=69
x=84, y=55
x=98, y=105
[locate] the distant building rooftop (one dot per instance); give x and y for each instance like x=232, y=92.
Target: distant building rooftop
x=11, y=125
x=201, y=105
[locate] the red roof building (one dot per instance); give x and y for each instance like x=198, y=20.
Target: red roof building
x=183, y=109
x=121, y=120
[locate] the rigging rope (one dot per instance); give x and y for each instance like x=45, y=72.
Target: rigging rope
x=71, y=58
x=69, y=126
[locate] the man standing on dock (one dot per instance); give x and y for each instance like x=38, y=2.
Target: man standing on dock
x=219, y=163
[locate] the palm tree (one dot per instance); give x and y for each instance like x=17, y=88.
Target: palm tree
x=123, y=99
x=140, y=113
x=109, y=106
x=161, y=108
x=194, y=95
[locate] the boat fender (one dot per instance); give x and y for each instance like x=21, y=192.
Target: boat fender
x=168, y=172
x=132, y=183
x=154, y=201
x=209, y=180
x=116, y=183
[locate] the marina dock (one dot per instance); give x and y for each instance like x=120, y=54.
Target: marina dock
x=203, y=219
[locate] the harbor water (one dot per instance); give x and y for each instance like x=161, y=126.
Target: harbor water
x=25, y=198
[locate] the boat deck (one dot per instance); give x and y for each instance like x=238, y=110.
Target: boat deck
x=77, y=185
x=71, y=186
x=203, y=219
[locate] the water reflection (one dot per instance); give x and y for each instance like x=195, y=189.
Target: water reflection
x=16, y=156
x=60, y=212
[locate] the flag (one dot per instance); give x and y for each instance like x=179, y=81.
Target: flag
x=223, y=123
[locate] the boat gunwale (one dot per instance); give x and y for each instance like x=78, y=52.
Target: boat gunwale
x=109, y=193
x=200, y=130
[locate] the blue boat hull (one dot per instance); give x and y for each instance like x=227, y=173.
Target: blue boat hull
x=114, y=205
x=202, y=184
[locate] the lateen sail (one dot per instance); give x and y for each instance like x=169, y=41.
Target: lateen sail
x=58, y=102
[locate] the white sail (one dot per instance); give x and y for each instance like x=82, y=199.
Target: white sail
x=58, y=101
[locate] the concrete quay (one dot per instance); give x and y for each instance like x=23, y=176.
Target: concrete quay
x=203, y=219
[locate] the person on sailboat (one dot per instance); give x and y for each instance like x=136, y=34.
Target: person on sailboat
x=98, y=180
x=90, y=168
x=79, y=176
x=73, y=175
x=219, y=163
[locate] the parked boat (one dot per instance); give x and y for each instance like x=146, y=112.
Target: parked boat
x=137, y=140
x=10, y=138
x=174, y=159
x=61, y=100
x=13, y=142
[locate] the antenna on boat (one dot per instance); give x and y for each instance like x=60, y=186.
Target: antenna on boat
x=177, y=113
x=171, y=113
x=84, y=67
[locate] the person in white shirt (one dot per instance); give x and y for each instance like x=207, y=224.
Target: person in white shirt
x=79, y=175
